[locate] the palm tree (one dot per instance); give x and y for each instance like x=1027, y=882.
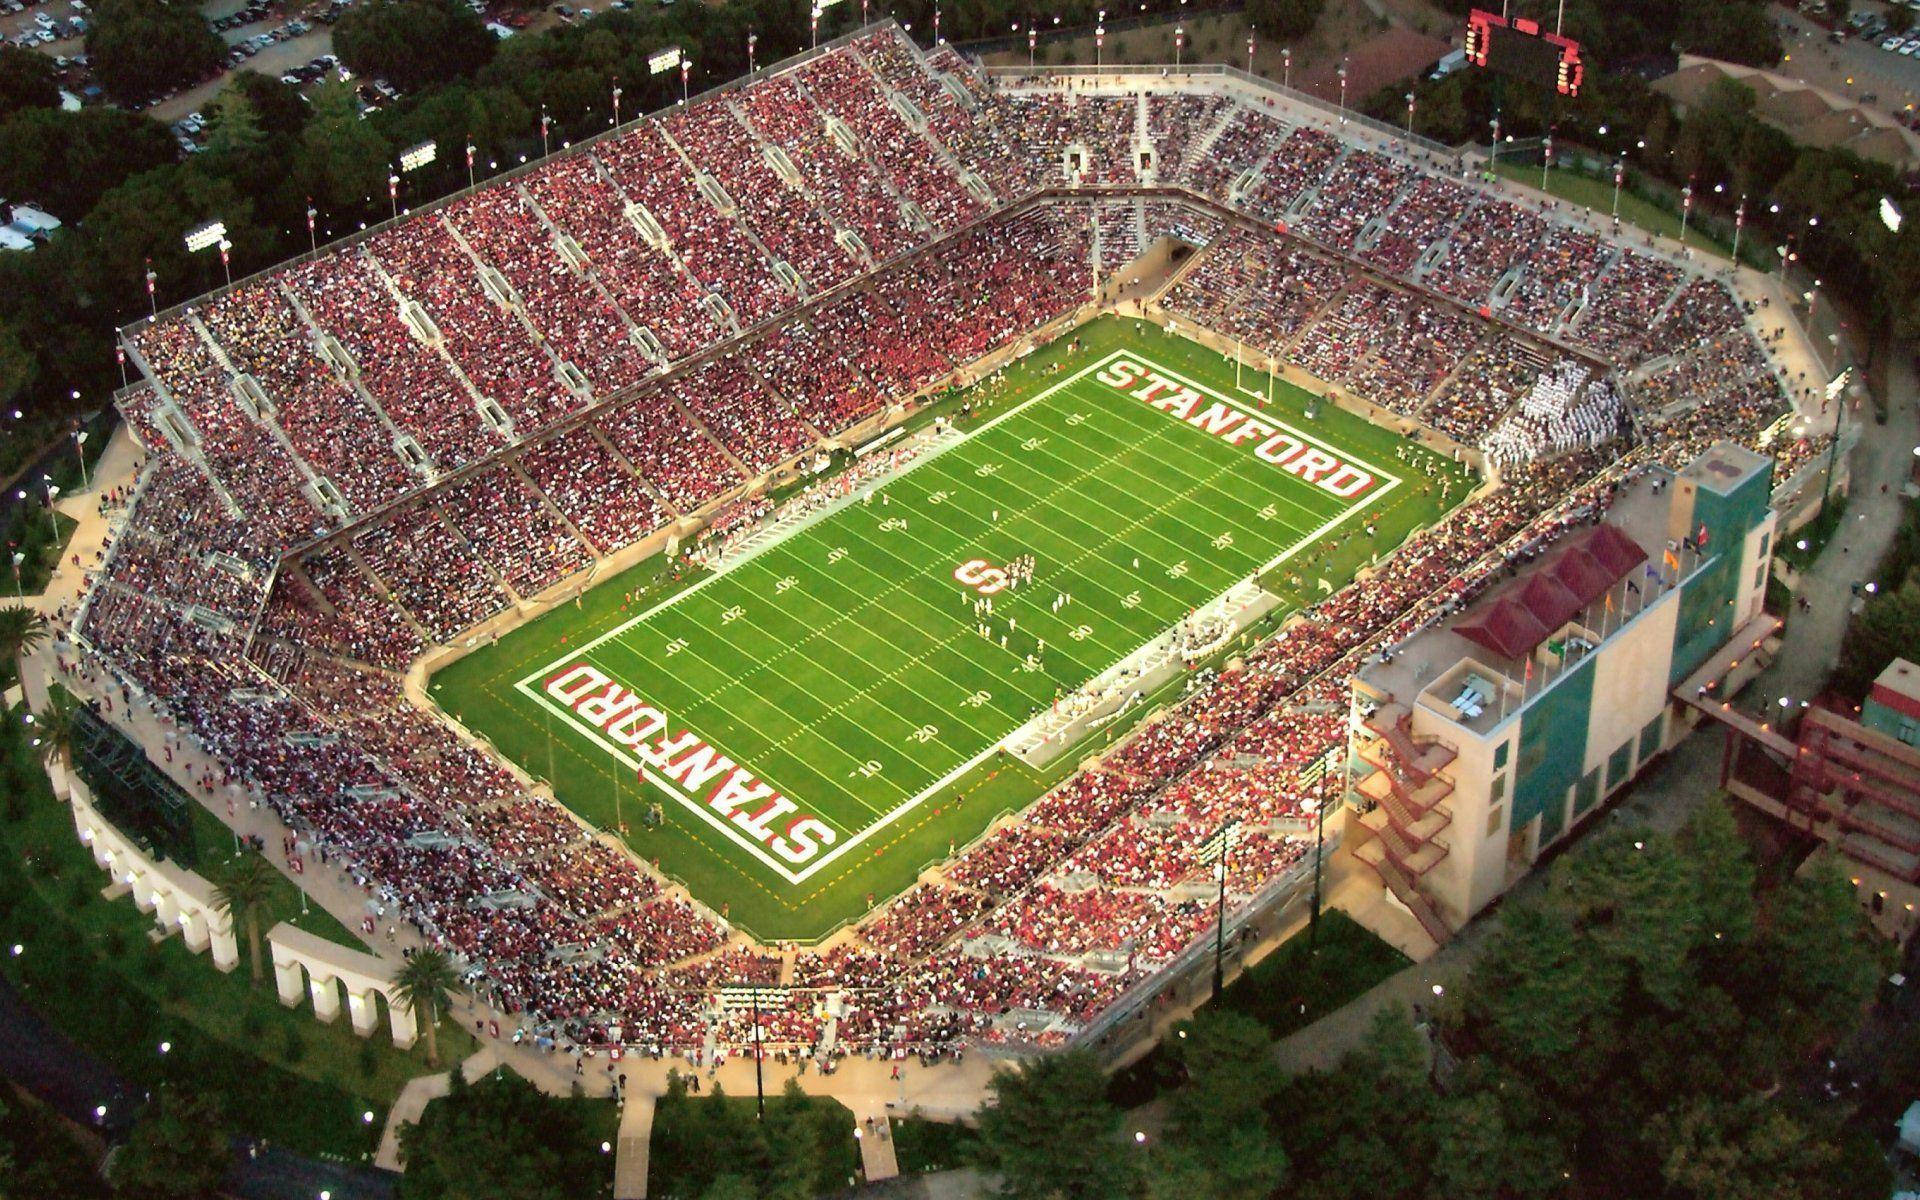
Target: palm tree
x=55, y=728
x=22, y=629
x=243, y=891
x=426, y=983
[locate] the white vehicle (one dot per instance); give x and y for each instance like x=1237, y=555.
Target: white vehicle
x=43, y=20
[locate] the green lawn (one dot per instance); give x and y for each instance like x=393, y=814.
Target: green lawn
x=1597, y=194
x=827, y=711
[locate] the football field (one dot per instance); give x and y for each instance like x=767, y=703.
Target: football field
x=823, y=715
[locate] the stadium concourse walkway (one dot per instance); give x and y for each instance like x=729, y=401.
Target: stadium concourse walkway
x=116, y=468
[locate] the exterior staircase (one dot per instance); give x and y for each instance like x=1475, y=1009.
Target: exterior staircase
x=1409, y=816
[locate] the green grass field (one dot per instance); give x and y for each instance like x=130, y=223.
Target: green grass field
x=820, y=720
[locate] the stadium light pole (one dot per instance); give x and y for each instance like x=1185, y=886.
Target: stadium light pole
x=153, y=301
x=1099, y=38
x=1179, y=44
x=1619, y=177
x=686, y=73
x=1493, y=154
x=80, y=452
x=1686, y=211
x=1739, y=223
x=616, y=103
x=813, y=22
x=53, y=490
x=1033, y=41
x=1225, y=840
x=1546, y=159
x=1249, y=51
x=759, y=1056
x=1409, y=112
x=1319, y=840
x=1343, y=93
x=753, y=46
x=471, y=150
x=393, y=193
x=1286, y=66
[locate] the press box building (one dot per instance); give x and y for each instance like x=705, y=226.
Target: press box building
x=1483, y=739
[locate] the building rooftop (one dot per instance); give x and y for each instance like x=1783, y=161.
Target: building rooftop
x=1898, y=687
x=1471, y=668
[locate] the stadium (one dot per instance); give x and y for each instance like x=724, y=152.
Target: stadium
x=892, y=541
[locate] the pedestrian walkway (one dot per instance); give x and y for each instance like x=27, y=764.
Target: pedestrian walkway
x=873, y=1126
x=421, y=1091
x=630, y=1152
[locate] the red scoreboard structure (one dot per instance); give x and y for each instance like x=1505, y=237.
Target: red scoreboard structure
x=1519, y=47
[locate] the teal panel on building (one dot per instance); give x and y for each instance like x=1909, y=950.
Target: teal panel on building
x=1553, y=746
x=1706, y=603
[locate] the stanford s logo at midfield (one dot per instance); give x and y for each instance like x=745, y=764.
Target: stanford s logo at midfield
x=982, y=576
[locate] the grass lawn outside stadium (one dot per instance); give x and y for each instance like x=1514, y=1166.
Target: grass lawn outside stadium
x=832, y=714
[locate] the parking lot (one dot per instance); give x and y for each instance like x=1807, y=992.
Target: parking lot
x=1862, y=68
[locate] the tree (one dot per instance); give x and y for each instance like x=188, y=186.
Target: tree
x=145, y=48
x=346, y=158
x=500, y=1138
x=1218, y=1143
x=426, y=983
x=412, y=43
x=1889, y=626
x=55, y=728
x=1052, y=1133
x=1497, y=1142
x=1718, y=859
x=1717, y=1150
x=66, y=161
x=18, y=365
x=177, y=1151
x=233, y=124
x=26, y=81
x=22, y=631
x=243, y=890
x=1366, y=1130
x=1538, y=999
x=1821, y=953
x=1636, y=902
x=278, y=108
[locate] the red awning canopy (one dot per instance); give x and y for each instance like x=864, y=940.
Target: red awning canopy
x=1534, y=607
